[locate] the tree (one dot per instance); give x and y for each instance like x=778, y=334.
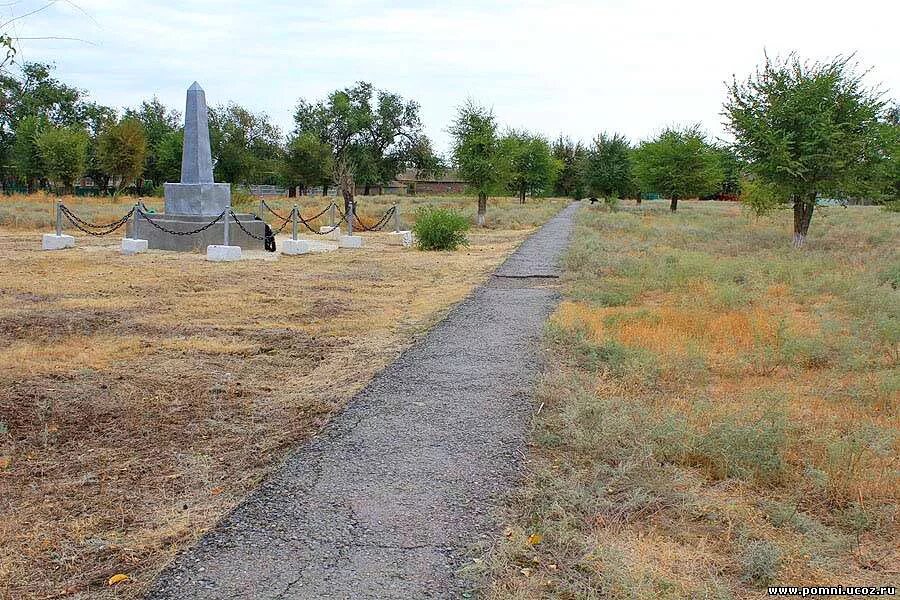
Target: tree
x=98, y=119
x=31, y=91
x=529, y=163
x=63, y=154
x=570, y=180
x=608, y=169
x=168, y=156
x=732, y=169
x=372, y=133
x=246, y=146
x=476, y=152
x=807, y=129
x=159, y=123
x=26, y=153
x=678, y=163
x=123, y=151
x=307, y=161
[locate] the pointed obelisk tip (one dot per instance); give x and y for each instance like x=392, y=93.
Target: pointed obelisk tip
x=195, y=87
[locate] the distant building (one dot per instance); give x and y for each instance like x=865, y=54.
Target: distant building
x=446, y=182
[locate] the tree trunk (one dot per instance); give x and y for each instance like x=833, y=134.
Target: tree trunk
x=292, y=191
x=673, y=206
x=324, y=189
x=366, y=190
x=522, y=195
x=482, y=209
x=638, y=200
x=803, y=212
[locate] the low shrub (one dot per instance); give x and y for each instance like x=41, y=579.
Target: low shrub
x=440, y=229
x=760, y=562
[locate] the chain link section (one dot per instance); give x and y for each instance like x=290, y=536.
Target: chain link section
x=377, y=226
x=94, y=229
x=266, y=237
x=195, y=231
x=312, y=218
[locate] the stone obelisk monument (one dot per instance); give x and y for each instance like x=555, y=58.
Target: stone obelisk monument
x=197, y=200
x=197, y=194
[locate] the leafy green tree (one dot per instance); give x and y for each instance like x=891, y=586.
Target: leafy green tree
x=246, y=146
x=168, y=156
x=307, y=161
x=732, y=171
x=807, y=129
x=31, y=91
x=678, y=163
x=26, y=153
x=63, y=154
x=529, y=163
x=159, y=123
x=608, y=169
x=123, y=151
x=476, y=152
x=570, y=180
x=98, y=119
x=373, y=134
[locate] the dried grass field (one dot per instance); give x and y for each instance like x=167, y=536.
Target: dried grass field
x=724, y=411
x=141, y=397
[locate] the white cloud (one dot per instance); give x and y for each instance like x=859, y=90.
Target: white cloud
x=575, y=67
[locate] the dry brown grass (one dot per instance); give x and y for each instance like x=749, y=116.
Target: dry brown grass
x=725, y=411
x=142, y=397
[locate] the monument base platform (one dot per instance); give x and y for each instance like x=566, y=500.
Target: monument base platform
x=197, y=242
x=51, y=241
x=217, y=253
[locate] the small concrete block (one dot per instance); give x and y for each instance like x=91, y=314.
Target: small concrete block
x=400, y=238
x=132, y=246
x=51, y=241
x=293, y=247
x=350, y=241
x=217, y=253
x=330, y=233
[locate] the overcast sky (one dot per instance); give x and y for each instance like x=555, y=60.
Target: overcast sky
x=577, y=68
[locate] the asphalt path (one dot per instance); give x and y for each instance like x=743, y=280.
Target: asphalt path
x=387, y=500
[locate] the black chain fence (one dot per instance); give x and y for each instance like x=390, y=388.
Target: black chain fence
x=94, y=229
x=192, y=232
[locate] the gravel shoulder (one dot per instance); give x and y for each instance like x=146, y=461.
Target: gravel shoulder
x=385, y=502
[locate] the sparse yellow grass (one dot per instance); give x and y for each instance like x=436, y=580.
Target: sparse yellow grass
x=142, y=397
x=725, y=411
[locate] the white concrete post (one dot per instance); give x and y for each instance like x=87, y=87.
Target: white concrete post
x=396, y=217
x=58, y=218
x=262, y=209
x=294, y=214
x=331, y=210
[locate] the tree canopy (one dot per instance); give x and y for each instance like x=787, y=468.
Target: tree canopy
x=527, y=163
x=570, y=156
x=608, y=169
x=678, y=163
x=807, y=130
x=122, y=151
x=375, y=133
x=63, y=153
x=476, y=152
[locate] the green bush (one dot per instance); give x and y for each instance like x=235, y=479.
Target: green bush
x=440, y=229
